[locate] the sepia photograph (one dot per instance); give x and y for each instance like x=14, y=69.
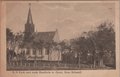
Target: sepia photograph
x=60, y=36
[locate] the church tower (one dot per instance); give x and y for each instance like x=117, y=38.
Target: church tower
x=29, y=26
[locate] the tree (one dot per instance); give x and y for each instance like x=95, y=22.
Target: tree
x=9, y=38
x=96, y=43
x=9, y=34
x=105, y=40
x=79, y=46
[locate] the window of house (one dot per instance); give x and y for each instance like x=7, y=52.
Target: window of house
x=28, y=51
x=34, y=52
x=40, y=51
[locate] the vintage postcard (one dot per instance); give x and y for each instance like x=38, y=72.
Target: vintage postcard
x=59, y=38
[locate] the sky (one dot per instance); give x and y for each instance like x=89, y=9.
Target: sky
x=71, y=19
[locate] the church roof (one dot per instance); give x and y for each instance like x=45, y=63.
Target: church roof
x=44, y=36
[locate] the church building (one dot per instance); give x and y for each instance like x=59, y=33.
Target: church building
x=39, y=45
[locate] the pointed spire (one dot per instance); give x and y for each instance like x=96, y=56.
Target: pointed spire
x=29, y=19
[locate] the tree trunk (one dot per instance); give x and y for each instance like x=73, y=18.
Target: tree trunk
x=48, y=51
x=79, y=61
x=94, y=64
x=101, y=62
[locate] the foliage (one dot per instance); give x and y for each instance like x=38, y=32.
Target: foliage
x=96, y=43
x=9, y=35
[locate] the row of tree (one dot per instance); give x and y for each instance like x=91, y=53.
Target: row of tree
x=96, y=47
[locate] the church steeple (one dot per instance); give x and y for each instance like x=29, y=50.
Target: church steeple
x=29, y=26
x=29, y=19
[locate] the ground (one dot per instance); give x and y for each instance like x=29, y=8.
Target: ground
x=42, y=65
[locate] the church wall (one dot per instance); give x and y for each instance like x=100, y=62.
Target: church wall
x=54, y=55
